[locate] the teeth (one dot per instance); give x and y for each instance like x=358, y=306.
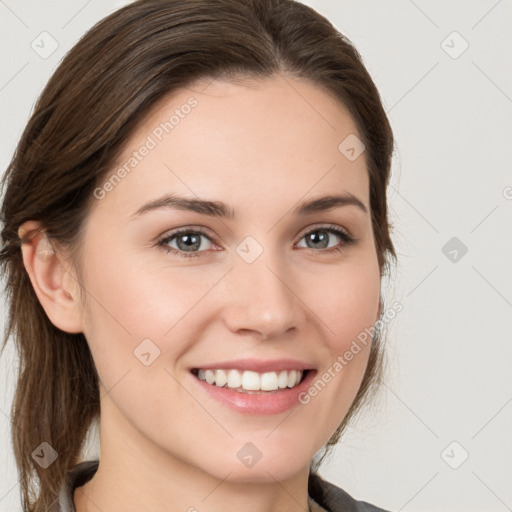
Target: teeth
x=252, y=381
x=283, y=380
x=269, y=381
x=292, y=378
x=234, y=379
x=209, y=376
x=221, y=378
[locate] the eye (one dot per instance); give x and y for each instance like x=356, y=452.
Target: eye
x=320, y=237
x=188, y=242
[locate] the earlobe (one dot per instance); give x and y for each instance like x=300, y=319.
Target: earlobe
x=53, y=284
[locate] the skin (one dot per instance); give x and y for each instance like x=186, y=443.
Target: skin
x=261, y=147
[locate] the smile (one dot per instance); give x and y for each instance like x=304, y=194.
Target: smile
x=250, y=381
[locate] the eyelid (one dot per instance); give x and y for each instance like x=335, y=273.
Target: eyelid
x=173, y=233
x=347, y=239
x=323, y=225
x=204, y=231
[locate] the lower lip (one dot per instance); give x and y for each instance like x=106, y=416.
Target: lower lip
x=264, y=403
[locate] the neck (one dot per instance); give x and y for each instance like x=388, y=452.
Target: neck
x=134, y=475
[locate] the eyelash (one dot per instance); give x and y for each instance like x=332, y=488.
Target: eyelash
x=347, y=240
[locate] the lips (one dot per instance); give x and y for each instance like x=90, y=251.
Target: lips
x=254, y=401
x=254, y=386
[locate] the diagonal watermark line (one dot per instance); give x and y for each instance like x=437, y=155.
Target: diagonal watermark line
x=305, y=194
x=94, y=298
x=486, y=14
x=107, y=391
x=414, y=86
x=490, y=490
x=54, y=503
x=14, y=76
x=108, y=312
x=205, y=87
x=83, y=288
x=10, y=418
x=424, y=14
x=3, y=3
x=217, y=486
x=308, y=102
x=168, y=168
x=503, y=407
x=415, y=209
x=76, y=14
x=279, y=424
x=411, y=410
x=200, y=404
x=200, y=299
x=5, y=495
x=492, y=81
x=494, y=288
x=407, y=502
x=81, y=489
x=301, y=300
x=291, y=496
x=492, y=211
x=422, y=281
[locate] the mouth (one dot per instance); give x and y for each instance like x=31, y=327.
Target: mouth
x=254, y=386
x=252, y=382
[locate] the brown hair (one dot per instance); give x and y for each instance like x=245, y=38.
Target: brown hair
x=91, y=105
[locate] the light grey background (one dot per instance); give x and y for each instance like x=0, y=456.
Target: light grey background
x=448, y=391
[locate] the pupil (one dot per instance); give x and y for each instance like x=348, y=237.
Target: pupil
x=319, y=238
x=189, y=241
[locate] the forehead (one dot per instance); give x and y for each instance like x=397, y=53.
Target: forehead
x=260, y=141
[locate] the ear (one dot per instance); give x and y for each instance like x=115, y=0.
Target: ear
x=55, y=287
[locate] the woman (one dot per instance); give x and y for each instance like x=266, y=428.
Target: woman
x=195, y=231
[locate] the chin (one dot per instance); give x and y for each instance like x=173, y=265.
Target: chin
x=276, y=465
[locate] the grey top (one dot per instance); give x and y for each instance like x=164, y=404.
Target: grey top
x=323, y=496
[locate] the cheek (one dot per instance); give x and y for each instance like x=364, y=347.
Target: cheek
x=133, y=301
x=356, y=309
x=346, y=300
x=137, y=313
x=348, y=306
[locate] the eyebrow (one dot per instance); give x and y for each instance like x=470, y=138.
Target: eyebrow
x=222, y=210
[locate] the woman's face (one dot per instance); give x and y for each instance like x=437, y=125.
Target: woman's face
x=268, y=290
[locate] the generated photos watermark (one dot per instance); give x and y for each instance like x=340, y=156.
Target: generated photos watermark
x=342, y=360
x=152, y=140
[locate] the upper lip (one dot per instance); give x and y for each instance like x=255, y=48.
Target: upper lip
x=257, y=365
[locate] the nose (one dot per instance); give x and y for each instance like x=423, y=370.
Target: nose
x=260, y=299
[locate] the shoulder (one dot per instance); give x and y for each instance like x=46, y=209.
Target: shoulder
x=335, y=499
